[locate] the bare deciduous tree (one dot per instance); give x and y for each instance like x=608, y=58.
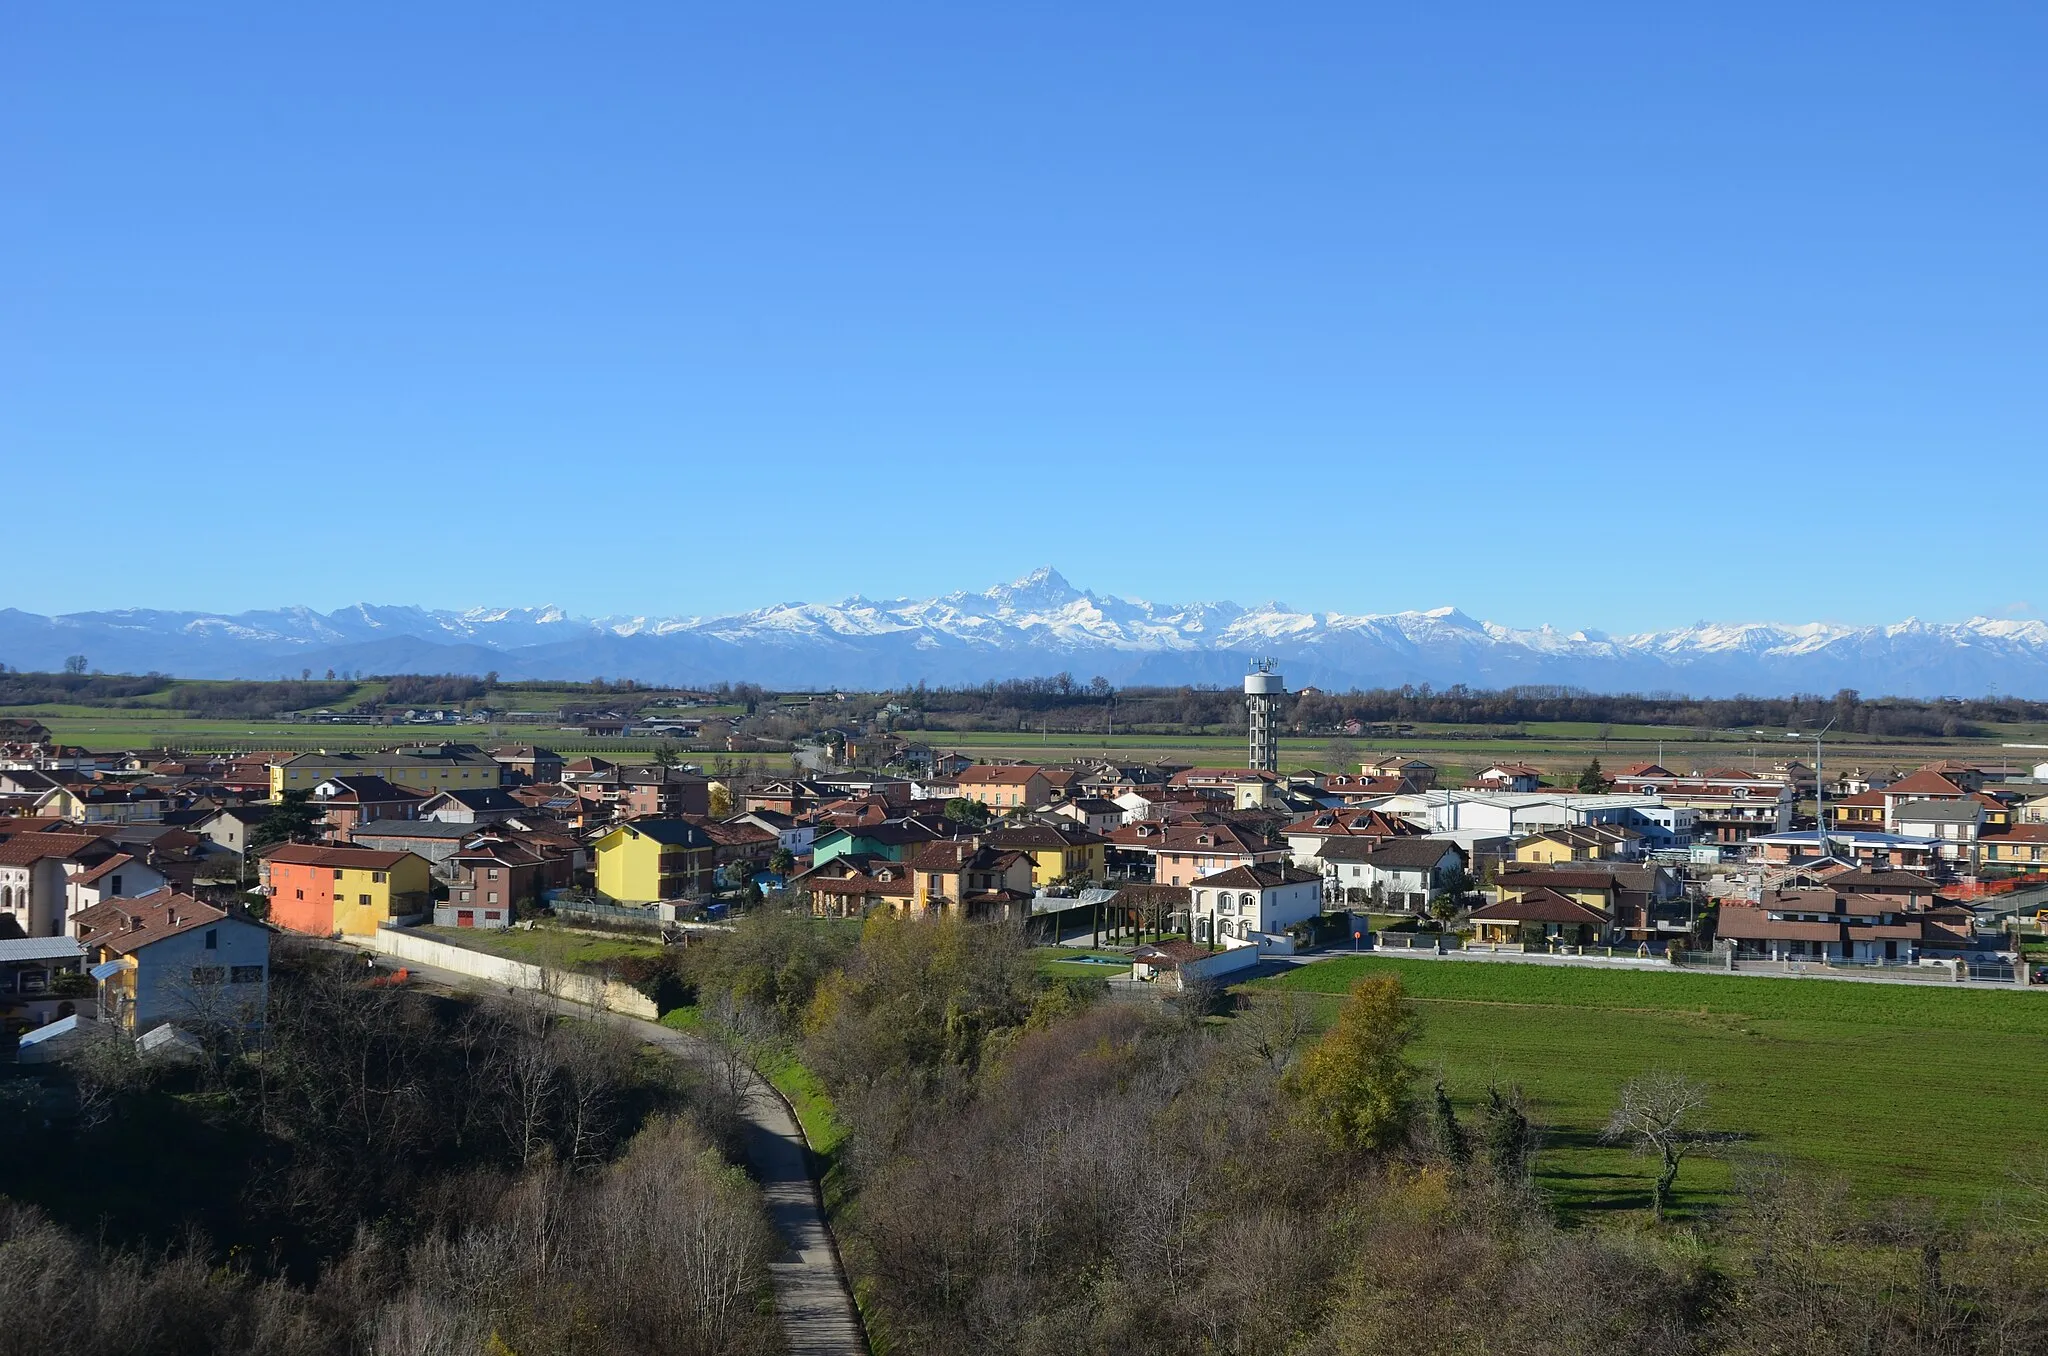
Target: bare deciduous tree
x=1659, y=1115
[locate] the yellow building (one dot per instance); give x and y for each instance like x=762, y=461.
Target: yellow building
x=2021, y=849
x=426, y=768
x=1592, y=843
x=320, y=890
x=655, y=859
x=1057, y=852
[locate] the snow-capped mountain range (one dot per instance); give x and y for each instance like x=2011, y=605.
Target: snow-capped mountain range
x=1042, y=624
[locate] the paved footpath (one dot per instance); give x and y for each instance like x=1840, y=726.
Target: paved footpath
x=812, y=1296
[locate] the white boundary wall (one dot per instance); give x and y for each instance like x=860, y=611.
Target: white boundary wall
x=588, y=990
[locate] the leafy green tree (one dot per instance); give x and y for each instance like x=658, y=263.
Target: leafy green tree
x=295, y=819
x=1504, y=1133
x=1444, y=1131
x=770, y=963
x=1591, y=782
x=782, y=861
x=1353, y=1084
x=972, y=813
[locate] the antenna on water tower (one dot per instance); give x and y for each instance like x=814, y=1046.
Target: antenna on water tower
x=1262, y=686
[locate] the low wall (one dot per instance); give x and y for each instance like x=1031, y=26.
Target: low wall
x=589, y=990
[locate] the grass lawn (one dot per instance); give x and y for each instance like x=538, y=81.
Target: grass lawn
x=689, y=1018
x=814, y=1106
x=1065, y=961
x=546, y=946
x=1910, y=1091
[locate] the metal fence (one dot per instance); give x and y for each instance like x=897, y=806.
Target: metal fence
x=608, y=913
x=1935, y=972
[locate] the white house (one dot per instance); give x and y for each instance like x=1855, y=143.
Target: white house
x=1955, y=825
x=790, y=833
x=1403, y=873
x=119, y=876
x=1235, y=907
x=34, y=871
x=228, y=829
x=1509, y=777
x=167, y=957
x=1178, y=964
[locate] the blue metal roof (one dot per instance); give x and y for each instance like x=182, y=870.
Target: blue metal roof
x=40, y=948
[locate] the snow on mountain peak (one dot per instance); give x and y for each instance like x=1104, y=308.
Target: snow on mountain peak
x=1040, y=623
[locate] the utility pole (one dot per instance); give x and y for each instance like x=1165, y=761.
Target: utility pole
x=1820, y=792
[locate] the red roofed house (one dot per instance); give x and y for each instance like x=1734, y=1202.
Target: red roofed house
x=1236, y=907
x=35, y=874
x=2019, y=848
x=1921, y=785
x=322, y=890
x=1181, y=852
x=1543, y=917
x=1005, y=788
x=1509, y=777
x=493, y=872
x=1820, y=924
x=971, y=879
x=167, y=957
x=120, y=876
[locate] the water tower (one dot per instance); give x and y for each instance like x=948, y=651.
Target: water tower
x=1262, y=688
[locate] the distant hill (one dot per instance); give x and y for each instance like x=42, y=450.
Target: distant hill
x=1043, y=624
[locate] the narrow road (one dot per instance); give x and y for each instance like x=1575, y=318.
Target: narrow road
x=812, y=1295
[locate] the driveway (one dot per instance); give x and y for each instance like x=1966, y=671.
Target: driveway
x=812, y=1296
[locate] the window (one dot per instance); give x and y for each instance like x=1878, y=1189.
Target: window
x=494, y=873
x=491, y=898
x=338, y=873
x=362, y=899
x=208, y=974
x=300, y=893
x=376, y=877
x=493, y=914
x=213, y=939
x=245, y=974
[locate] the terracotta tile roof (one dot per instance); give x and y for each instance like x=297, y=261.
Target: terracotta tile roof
x=349, y=858
x=1043, y=836
x=28, y=848
x=1925, y=783
x=1269, y=876
x=1540, y=906
x=123, y=926
x=985, y=775
x=2016, y=833
x=111, y=864
x=957, y=855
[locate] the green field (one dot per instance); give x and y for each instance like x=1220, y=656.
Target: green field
x=1065, y=961
x=1930, y=1092
x=546, y=946
x=1557, y=747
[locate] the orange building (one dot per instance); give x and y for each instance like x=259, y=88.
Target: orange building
x=321, y=890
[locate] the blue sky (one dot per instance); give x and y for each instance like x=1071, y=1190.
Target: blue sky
x=1603, y=315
